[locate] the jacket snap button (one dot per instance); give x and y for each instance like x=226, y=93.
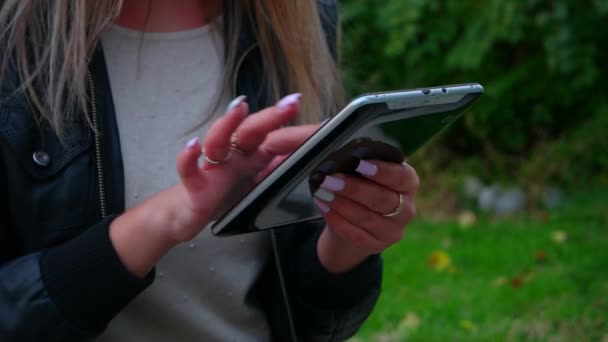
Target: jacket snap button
x=41, y=158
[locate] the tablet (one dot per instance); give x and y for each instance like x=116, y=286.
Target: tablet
x=400, y=120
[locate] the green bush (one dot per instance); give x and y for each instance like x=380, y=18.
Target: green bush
x=542, y=63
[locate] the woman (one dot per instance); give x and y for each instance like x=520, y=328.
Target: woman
x=100, y=238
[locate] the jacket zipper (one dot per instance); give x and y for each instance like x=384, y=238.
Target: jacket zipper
x=98, y=160
x=275, y=248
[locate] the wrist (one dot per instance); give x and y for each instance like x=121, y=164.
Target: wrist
x=145, y=233
x=168, y=217
x=337, y=255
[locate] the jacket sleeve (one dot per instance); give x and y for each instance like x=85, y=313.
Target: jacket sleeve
x=325, y=306
x=65, y=293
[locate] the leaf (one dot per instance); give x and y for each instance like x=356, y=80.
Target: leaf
x=517, y=281
x=521, y=279
x=408, y=324
x=559, y=236
x=466, y=219
x=439, y=261
x=500, y=281
x=540, y=257
x=467, y=325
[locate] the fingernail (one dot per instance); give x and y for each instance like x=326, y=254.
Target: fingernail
x=322, y=206
x=366, y=168
x=325, y=195
x=288, y=100
x=235, y=103
x=192, y=143
x=333, y=183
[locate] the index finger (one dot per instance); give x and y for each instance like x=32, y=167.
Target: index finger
x=401, y=178
x=254, y=129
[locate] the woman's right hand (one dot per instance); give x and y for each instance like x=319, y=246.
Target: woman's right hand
x=213, y=188
x=143, y=234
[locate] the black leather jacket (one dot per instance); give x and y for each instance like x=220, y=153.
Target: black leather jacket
x=60, y=278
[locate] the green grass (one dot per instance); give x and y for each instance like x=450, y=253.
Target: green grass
x=563, y=297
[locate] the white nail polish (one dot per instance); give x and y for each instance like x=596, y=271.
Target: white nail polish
x=366, y=168
x=192, y=143
x=235, y=103
x=322, y=206
x=325, y=195
x=289, y=100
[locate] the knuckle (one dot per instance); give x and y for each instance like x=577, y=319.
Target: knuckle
x=405, y=177
x=409, y=178
x=379, y=204
x=245, y=134
x=414, y=180
x=409, y=210
x=367, y=219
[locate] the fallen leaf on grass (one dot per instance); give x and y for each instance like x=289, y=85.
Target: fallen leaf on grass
x=439, y=261
x=409, y=323
x=517, y=281
x=466, y=219
x=521, y=279
x=559, y=236
x=540, y=257
x=500, y=281
x=467, y=325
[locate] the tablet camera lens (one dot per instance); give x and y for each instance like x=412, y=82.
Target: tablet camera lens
x=445, y=91
x=426, y=91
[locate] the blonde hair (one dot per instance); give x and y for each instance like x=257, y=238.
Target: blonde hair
x=51, y=44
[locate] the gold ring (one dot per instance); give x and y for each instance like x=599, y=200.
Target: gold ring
x=215, y=162
x=397, y=209
x=234, y=146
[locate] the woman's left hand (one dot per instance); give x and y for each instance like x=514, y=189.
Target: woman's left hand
x=364, y=215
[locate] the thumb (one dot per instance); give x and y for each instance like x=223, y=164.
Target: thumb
x=288, y=139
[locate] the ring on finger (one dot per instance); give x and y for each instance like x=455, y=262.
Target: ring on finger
x=234, y=145
x=398, y=209
x=215, y=162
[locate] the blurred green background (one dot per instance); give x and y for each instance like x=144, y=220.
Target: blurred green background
x=511, y=238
